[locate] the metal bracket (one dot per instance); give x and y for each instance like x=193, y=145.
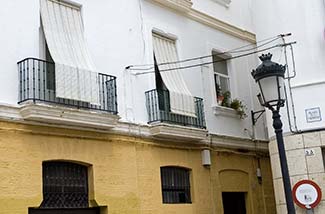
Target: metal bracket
x=258, y=113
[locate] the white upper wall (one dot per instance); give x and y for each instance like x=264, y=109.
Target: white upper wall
x=238, y=13
x=119, y=34
x=306, y=21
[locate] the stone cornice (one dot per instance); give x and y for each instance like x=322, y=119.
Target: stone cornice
x=184, y=7
x=238, y=143
x=184, y=136
x=221, y=26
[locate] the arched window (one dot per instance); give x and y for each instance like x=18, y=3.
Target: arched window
x=175, y=184
x=65, y=185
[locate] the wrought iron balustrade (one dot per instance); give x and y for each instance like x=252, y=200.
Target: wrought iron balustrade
x=37, y=83
x=158, y=107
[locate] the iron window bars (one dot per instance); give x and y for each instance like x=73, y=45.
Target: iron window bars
x=175, y=185
x=37, y=83
x=65, y=185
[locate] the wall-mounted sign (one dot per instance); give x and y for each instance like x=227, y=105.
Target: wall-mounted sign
x=306, y=194
x=309, y=152
x=313, y=115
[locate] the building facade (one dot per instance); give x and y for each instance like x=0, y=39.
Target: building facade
x=97, y=118
x=302, y=115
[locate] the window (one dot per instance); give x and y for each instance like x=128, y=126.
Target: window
x=180, y=98
x=163, y=94
x=65, y=185
x=221, y=76
x=50, y=70
x=76, y=76
x=175, y=185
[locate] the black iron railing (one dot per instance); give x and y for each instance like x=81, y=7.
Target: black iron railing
x=158, y=106
x=37, y=83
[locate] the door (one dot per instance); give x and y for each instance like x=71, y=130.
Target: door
x=234, y=202
x=94, y=210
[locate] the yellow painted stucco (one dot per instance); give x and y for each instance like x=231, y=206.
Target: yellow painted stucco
x=124, y=171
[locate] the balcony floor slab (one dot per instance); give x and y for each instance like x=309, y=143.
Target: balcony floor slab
x=55, y=114
x=176, y=132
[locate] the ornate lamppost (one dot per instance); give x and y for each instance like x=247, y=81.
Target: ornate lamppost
x=270, y=78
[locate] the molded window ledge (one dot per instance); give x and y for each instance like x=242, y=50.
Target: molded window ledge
x=59, y=115
x=179, y=5
x=225, y=3
x=225, y=111
x=176, y=132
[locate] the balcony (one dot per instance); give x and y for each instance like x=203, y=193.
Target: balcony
x=37, y=96
x=163, y=121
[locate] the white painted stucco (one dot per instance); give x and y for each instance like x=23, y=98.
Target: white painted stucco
x=307, y=24
x=119, y=34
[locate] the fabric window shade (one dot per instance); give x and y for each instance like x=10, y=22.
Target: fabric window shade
x=74, y=69
x=181, y=99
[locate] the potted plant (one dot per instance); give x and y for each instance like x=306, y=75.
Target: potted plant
x=226, y=99
x=239, y=107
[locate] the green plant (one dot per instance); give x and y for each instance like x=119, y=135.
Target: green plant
x=239, y=107
x=226, y=99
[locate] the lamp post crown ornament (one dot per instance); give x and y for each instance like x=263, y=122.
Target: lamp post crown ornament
x=268, y=68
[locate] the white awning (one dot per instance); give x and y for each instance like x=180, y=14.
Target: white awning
x=74, y=70
x=181, y=99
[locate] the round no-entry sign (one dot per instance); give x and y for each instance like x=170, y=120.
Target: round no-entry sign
x=306, y=194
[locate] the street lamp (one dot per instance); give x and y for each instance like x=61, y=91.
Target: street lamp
x=270, y=78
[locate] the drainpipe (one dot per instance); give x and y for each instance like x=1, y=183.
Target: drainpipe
x=296, y=131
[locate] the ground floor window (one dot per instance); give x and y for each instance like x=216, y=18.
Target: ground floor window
x=175, y=184
x=65, y=185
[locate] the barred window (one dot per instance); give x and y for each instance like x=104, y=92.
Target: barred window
x=65, y=185
x=175, y=184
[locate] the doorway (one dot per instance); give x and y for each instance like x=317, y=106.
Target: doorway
x=234, y=202
x=94, y=210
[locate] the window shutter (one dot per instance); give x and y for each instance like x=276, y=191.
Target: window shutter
x=74, y=69
x=181, y=99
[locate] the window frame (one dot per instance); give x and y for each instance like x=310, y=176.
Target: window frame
x=216, y=75
x=163, y=92
x=63, y=171
x=180, y=188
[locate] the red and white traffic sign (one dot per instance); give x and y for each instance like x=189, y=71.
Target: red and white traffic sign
x=306, y=194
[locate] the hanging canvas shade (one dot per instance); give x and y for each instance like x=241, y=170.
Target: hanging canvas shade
x=75, y=78
x=181, y=99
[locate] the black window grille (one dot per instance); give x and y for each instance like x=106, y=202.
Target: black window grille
x=65, y=185
x=175, y=184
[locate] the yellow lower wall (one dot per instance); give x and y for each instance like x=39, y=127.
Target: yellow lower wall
x=126, y=171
